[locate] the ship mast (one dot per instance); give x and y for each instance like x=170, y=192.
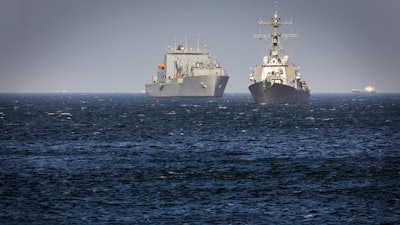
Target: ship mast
x=275, y=23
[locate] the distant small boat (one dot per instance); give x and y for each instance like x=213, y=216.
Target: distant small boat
x=368, y=89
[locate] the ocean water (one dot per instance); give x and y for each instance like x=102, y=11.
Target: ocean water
x=128, y=159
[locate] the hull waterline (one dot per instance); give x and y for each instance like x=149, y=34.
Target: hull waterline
x=277, y=94
x=199, y=86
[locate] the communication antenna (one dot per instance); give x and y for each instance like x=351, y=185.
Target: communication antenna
x=175, y=42
x=198, y=42
x=185, y=43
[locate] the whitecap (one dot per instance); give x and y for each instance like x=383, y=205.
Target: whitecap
x=309, y=216
x=65, y=114
x=221, y=107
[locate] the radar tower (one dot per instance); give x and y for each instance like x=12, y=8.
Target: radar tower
x=275, y=35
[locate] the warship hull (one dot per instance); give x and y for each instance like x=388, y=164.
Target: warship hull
x=194, y=86
x=265, y=92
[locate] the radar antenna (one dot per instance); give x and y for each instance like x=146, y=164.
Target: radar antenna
x=275, y=35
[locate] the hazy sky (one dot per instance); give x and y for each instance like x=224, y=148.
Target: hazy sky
x=115, y=45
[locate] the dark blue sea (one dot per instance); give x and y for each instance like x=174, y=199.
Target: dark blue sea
x=128, y=159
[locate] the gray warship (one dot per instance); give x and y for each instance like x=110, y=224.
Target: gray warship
x=188, y=73
x=276, y=81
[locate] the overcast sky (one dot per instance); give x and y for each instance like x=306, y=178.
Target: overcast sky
x=115, y=45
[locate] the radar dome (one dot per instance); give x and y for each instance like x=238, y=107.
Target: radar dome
x=265, y=60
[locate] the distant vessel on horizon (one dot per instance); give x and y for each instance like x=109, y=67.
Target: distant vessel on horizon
x=188, y=72
x=276, y=81
x=368, y=89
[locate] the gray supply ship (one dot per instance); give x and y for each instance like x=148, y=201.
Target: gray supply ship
x=188, y=73
x=276, y=81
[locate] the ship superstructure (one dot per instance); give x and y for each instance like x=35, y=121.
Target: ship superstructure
x=277, y=80
x=187, y=72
